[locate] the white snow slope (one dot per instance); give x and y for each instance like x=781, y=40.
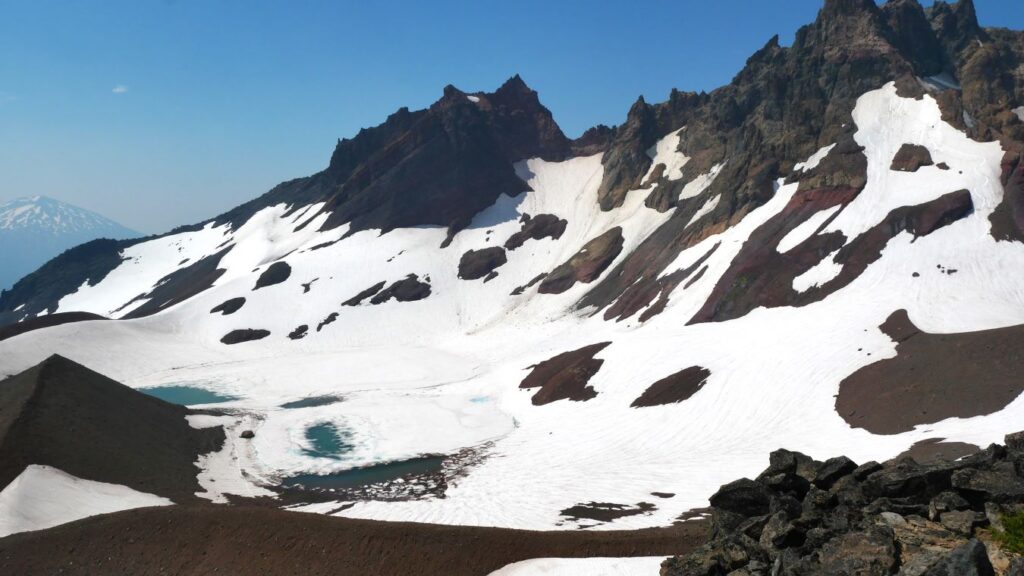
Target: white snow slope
x=43, y=496
x=442, y=374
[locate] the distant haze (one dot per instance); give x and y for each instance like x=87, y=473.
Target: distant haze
x=35, y=229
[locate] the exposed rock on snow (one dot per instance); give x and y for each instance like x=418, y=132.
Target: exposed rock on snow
x=299, y=332
x=244, y=335
x=408, y=289
x=358, y=298
x=476, y=264
x=276, y=273
x=925, y=381
x=674, y=388
x=586, y=265
x=910, y=158
x=536, y=228
x=565, y=376
x=229, y=306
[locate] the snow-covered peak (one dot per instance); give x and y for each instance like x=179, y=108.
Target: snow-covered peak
x=43, y=214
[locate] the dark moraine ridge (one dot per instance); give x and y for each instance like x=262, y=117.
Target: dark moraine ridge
x=934, y=377
x=194, y=540
x=12, y=330
x=674, y=388
x=565, y=376
x=64, y=415
x=244, y=335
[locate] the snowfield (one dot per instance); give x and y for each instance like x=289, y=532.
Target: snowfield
x=441, y=374
x=43, y=496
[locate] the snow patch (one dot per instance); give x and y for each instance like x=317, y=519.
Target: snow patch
x=43, y=497
x=706, y=209
x=637, y=566
x=666, y=151
x=815, y=159
x=805, y=229
x=819, y=274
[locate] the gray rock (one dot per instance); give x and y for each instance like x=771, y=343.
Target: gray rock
x=948, y=501
x=968, y=559
x=832, y=470
x=961, y=522
x=744, y=496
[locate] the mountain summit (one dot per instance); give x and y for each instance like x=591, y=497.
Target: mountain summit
x=34, y=229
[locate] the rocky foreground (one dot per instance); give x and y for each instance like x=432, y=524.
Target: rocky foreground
x=803, y=517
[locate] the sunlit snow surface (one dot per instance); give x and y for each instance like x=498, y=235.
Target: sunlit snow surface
x=413, y=374
x=644, y=565
x=43, y=496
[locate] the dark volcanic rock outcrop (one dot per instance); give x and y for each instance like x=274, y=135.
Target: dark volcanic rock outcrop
x=12, y=330
x=934, y=377
x=244, y=335
x=476, y=264
x=535, y=228
x=801, y=517
x=229, y=306
x=274, y=274
x=910, y=158
x=586, y=265
x=358, y=298
x=674, y=388
x=408, y=289
x=565, y=376
x=64, y=415
x=180, y=285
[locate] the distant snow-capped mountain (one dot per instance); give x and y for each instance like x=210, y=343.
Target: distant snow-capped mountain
x=34, y=229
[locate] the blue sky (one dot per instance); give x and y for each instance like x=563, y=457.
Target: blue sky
x=160, y=113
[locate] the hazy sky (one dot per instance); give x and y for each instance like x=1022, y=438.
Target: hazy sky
x=161, y=113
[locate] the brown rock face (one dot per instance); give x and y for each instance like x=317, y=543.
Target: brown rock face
x=565, y=376
x=476, y=264
x=674, y=388
x=1008, y=218
x=760, y=276
x=586, y=265
x=911, y=157
x=933, y=377
x=535, y=228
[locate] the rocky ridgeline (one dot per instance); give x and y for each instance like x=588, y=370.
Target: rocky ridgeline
x=803, y=517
